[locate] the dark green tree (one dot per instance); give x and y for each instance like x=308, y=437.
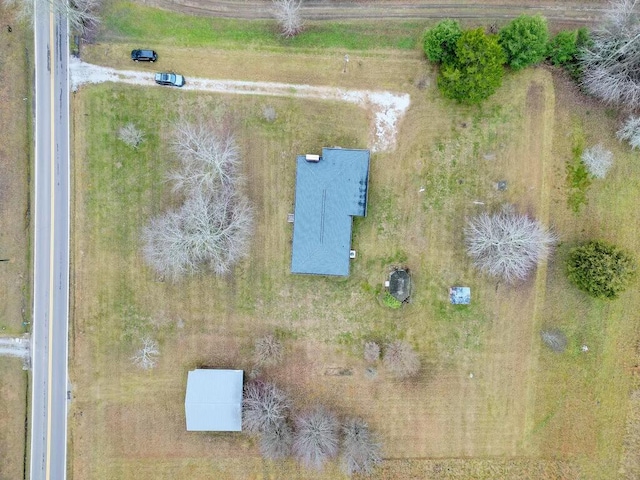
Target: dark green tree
x=440, y=41
x=600, y=269
x=524, y=41
x=476, y=71
x=564, y=49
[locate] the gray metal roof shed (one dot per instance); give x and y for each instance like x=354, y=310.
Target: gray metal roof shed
x=213, y=402
x=400, y=284
x=329, y=192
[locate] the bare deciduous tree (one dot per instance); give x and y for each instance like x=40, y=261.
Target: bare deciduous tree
x=276, y=441
x=208, y=230
x=316, y=437
x=611, y=64
x=630, y=131
x=361, y=452
x=268, y=350
x=211, y=229
x=131, y=135
x=371, y=352
x=81, y=14
x=554, y=339
x=147, y=356
x=401, y=360
x=598, y=160
x=288, y=16
x=269, y=113
x=264, y=406
x=506, y=244
x=209, y=160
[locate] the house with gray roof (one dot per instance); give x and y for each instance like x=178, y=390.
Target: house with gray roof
x=213, y=402
x=330, y=190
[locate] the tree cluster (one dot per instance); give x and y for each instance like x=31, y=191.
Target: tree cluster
x=471, y=61
x=211, y=229
x=600, y=269
x=315, y=436
x=506, y=244
x=81, y=14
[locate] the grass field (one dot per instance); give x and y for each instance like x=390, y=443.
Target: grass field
x=14, y=235
x=525, y=412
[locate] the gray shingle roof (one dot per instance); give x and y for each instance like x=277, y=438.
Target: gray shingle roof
x=328, y=194
x=213, y=402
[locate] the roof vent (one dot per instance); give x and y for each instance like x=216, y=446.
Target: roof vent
x=352, y=254
x=312, y=158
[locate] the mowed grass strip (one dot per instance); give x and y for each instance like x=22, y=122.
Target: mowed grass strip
x=133, y=22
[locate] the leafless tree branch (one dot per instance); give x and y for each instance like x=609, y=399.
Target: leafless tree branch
x=316, y=437
x=268, y=350
x=598, y=160
x=288, y=16
x=276, y=441
x=630, y=131
x=147, y=356
x=361, y=452
x=264, y=407
x=401, y=360
x=506, y=244
x=131, y=135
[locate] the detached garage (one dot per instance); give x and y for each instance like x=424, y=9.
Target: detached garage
x=214, y=400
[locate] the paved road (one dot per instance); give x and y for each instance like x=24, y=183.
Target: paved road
x=51, y=249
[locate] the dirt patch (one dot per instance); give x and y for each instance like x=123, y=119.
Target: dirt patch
x=386, y=108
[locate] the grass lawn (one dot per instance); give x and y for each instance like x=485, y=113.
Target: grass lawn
x=524, y=413
x=144, y=24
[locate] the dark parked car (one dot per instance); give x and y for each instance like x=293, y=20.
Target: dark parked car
x=172, y=79
x=144, y=55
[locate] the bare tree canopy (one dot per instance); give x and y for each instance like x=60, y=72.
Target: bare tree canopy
x=554, y=339
x=361, y=452
x=131, y=135
x=630, y=132
x=211, y=229
x=507, y=245
x=611, y=64
x=268, y=350
x=316, y=437
x=371, y=352
x=147, y=356
x=264, y=406
x=276, y=441
x=401, y=360
x=288, y=16
x=598, y=160
x=81, y=14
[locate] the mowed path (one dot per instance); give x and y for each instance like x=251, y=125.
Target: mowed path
x=564, y=11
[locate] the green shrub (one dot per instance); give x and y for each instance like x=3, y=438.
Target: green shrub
x=476, y=71
x=524, y=41
x=440, y=41
x=391, y=301
x=600, y=269
x=564, y=50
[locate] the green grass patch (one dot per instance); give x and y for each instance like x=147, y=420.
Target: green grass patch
x=578, y=177
x=137, y=23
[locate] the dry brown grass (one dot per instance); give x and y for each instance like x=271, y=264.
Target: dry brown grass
x=15, y=47
x=128, y=424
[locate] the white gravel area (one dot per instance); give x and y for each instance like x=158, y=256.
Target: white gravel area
x=14, y=347
x=388, y=108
